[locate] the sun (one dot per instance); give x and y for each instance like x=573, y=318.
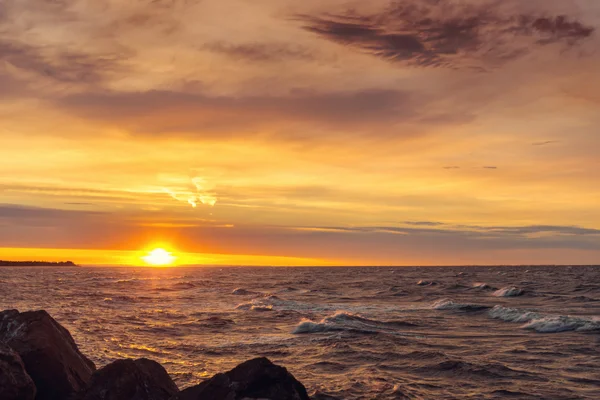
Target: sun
x=159, y=257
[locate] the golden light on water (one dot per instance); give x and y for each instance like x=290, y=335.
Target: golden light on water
x=159, y=257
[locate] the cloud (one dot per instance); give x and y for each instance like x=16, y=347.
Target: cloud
x=423, y=223
x=261, y=52
x=156, y=112
x=405, y=243
x=19, y=214
x=547, y=142
x=474, y=231
x=202, y=192
x=443, y=33
x=59, y=65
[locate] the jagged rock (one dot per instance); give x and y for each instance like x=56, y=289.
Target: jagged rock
x=254, y=379
x=48, y=351
x=15, y=384
x=128, y=379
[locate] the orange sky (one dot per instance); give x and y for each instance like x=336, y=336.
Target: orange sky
x=313, y=133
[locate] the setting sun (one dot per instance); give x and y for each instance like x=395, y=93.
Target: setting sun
x=159, y=257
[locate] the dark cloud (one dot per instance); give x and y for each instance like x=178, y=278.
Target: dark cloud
x=547, y=142
x=261, y=52
x=490, y=167
x=558, y=27
x=443, y=33
x=452, y=167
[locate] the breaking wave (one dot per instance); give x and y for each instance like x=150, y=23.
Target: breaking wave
x=446, y=304
x=243, y=292
x=482, y=285
x=545, y=323
x=343, y=321
x=277, y=303
x=508, y=292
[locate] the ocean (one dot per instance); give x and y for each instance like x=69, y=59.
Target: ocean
x=353, y=333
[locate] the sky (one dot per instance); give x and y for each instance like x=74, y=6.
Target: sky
x=278, y=132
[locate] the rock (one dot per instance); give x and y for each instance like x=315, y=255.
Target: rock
x=254, y=379
x=15, y=384
x=128, y=379
x=48, y=351
x=426, y=283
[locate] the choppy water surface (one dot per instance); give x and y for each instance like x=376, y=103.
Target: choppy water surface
x=356, y=333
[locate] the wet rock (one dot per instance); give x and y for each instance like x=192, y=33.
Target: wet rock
x=15, y=384
x=128, y=379
x=48, y=351
x=254, y=379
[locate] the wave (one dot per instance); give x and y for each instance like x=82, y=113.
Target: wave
x=122, y=298
x=277, y=303
x=183, y=285
x=545, y=323
x=291, y=289
x=563, y=324
x=446, y=304
x=513, y=314
x=254, y=307
x=344, y=321
x=482, y=285
x=510, y=291
x=460, y=367
x=243, y=292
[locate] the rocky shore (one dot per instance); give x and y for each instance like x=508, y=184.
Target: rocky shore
x=40, y=360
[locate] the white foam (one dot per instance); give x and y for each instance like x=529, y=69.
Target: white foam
x=512, y=314
x=447, y=304
x=563, y=324
x=545, y=323
x=510, y=291
x=340, y=321
x=481, y=285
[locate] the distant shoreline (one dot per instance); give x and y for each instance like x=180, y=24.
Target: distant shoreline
x=4, y=263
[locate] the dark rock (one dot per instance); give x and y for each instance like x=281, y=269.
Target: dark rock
x=48, y=351
x=254, y=379
x=140, y=379
x=15, y=384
